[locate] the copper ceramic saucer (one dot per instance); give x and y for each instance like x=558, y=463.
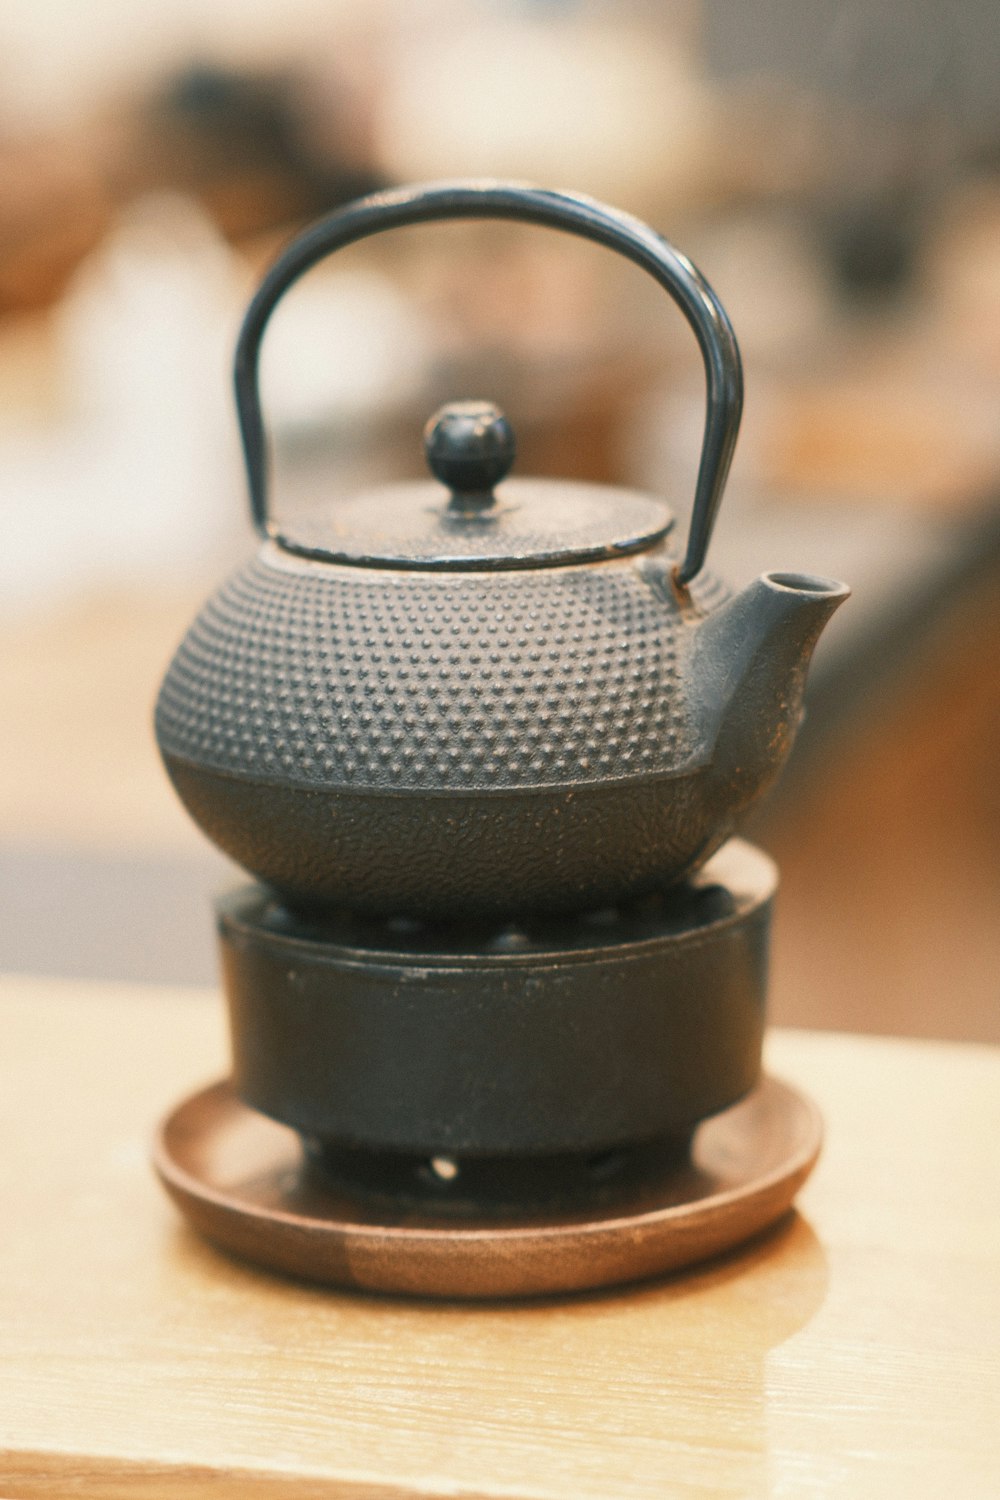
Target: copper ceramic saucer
x=243, y=1181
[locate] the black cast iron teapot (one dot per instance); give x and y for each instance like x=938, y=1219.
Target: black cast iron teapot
x=478, y=696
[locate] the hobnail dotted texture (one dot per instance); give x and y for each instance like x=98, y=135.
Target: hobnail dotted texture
x=323, y=675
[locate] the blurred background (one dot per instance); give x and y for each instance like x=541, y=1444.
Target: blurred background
x=834, y=170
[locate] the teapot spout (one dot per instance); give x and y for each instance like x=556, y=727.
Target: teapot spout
x=753, y=655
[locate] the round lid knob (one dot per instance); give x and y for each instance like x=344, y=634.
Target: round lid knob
x=470, y=446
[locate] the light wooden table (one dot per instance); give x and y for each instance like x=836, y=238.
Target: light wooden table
x=855, y=1352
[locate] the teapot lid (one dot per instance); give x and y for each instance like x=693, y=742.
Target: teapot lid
x=462, y=523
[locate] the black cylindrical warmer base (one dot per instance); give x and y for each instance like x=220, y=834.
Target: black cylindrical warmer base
x=587, y=1035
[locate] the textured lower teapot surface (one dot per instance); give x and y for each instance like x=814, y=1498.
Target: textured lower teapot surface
x=444, y=745
x=309, y=674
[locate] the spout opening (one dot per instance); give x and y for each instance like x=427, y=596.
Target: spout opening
x=807, y=583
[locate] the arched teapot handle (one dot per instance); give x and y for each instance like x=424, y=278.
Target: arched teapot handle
x=493, y=200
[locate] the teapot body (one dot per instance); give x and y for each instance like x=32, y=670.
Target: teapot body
x=438, y=745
